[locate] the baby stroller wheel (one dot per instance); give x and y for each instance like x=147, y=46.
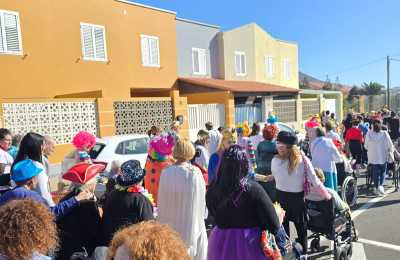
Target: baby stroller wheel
x=315, y=245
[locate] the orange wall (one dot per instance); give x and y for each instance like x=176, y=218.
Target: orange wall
x=51, y=40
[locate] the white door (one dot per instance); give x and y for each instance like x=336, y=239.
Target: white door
x=200, y=114
x=330, y=104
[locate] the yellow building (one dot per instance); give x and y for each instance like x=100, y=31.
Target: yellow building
x=250, y=53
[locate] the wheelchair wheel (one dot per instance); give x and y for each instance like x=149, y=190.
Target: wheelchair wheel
x=315, y=245
x=340, y=253
x=349, y=192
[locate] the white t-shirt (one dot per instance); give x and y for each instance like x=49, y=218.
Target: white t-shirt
x=5, y=158
x=293, y=182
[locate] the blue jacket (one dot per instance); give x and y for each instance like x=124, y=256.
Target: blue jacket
x=20, y=193
x=212, y=166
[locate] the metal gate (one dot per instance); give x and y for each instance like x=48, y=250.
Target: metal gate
x=199, y=114
x=250, y=113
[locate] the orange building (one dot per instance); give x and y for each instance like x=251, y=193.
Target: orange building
x=110, y=52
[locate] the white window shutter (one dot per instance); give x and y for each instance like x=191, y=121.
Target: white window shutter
x=196, y=61
x=87, y=41
x=154, y=52
x=11, y=32
x=1, y=34
x=99, y=43
x=237, y=63
x=202, y=62
x=243, y=64
x=145, y=51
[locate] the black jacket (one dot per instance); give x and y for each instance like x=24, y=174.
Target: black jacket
x=123, y=209
x=80, y=228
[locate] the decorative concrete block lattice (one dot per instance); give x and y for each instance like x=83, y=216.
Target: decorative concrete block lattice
x=310, y=107
x=136, y=117
x=285, y=110
x=60, y=120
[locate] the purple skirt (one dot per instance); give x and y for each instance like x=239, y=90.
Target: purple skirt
x=234, y=244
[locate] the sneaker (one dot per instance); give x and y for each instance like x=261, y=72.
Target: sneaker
x=381, y=190
x=375, y=192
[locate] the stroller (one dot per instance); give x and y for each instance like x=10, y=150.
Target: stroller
x=324, y=220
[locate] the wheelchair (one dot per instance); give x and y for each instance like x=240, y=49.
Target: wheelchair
x=347, y=183
x=325, y=220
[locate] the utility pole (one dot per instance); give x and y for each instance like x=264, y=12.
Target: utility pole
x=388, y=82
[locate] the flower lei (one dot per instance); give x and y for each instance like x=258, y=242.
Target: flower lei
x=143, y=191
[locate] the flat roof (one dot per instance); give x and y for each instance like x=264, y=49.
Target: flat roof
x=198, y=23
x=237, y=85
x=317, y=91
x=146, y=6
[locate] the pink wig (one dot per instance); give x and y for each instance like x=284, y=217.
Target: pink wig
x=84, y=140
x=162, y=144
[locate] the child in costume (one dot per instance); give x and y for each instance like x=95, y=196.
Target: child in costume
x=159, y=157
x=83, y=143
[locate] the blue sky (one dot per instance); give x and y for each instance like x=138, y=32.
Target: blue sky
x=336, y=37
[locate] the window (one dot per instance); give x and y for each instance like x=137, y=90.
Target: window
x=269, y=66
x=199, y=59
x=10, y=33
x=240, y=63
x=135, y=146
x=150, y=51
x=96, y=150
x=287, y=69
x=93, y=39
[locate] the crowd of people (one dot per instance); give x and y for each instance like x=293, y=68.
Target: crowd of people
x=229, y=195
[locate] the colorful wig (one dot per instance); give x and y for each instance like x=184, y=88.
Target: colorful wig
x=243, y=129
x=84, y=140
x=161, y=147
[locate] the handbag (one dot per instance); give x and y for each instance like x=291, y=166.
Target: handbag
x=306, y=183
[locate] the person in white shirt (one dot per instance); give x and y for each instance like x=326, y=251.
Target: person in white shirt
x=330, y=133
x=215, y=138
x=48, y=149
x=202, y=143
x=379, y=147
x=32, y=148
x=294, y=175
x=6, y=159
x=182, y=200
x=256, y=135
x=325, y=155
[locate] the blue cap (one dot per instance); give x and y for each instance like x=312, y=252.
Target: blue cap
x=24, y=170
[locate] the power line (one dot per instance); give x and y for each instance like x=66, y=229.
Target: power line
x=357, y=67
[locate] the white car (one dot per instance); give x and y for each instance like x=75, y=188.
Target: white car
x=121, y=148
x=287, y=128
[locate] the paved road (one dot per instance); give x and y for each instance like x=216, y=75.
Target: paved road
x=376, y=220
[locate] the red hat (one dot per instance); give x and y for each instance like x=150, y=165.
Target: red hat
x=83, y=172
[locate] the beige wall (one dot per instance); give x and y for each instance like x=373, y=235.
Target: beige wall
x=266, y=45
x=257, y=44
x=51, y=42
x=240, y=39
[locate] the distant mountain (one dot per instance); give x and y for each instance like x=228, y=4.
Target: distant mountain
x=318, y=84
x=310, y=78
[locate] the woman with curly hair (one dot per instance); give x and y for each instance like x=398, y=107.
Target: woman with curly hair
x=27, y=231
x=147, y=241
x=266, y=150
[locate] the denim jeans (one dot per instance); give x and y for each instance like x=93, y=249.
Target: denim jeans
x=378, y=173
